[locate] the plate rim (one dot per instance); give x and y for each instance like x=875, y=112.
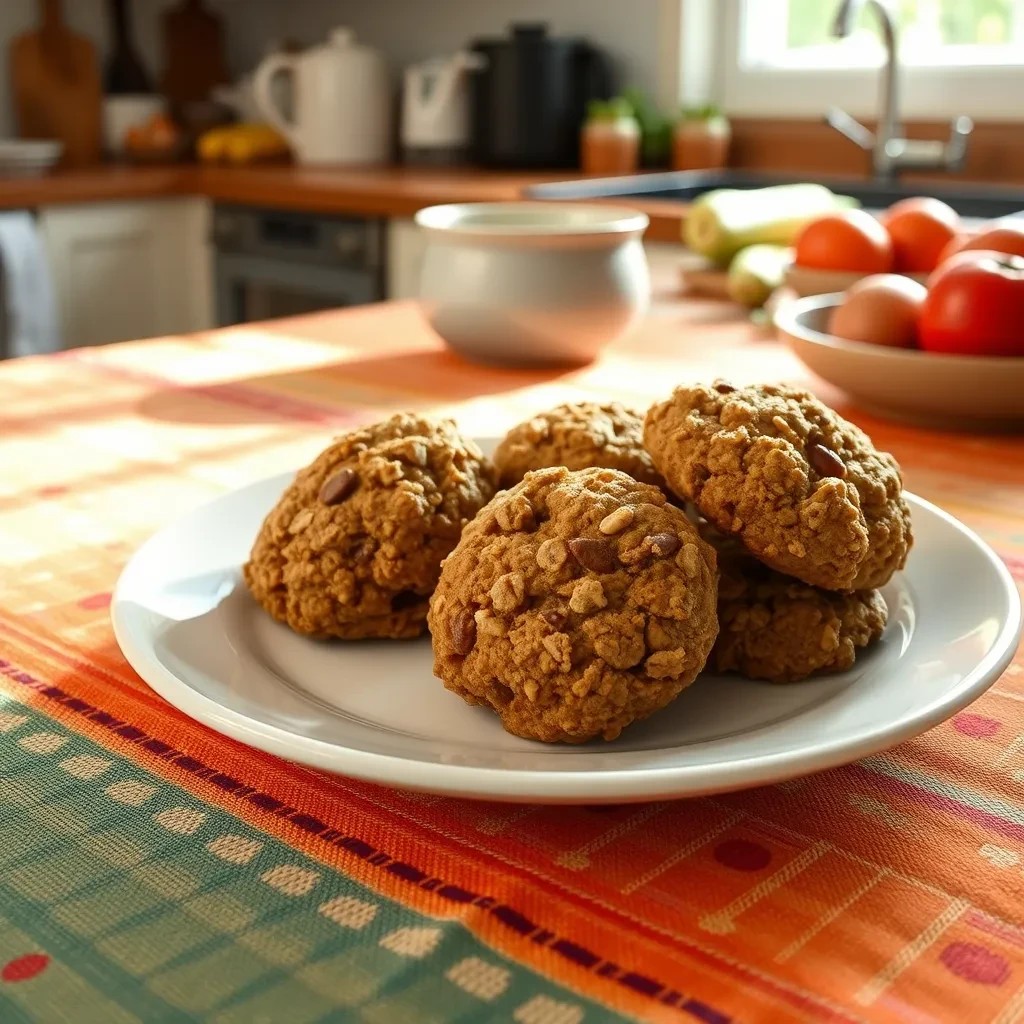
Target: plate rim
x=574, y=786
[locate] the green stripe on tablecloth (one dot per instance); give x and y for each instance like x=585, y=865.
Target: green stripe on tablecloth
x=109, y=871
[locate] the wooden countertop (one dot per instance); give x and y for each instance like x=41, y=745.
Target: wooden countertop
x=374, y=191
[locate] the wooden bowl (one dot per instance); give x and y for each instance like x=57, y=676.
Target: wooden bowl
x=958, y=392
x=812, y=281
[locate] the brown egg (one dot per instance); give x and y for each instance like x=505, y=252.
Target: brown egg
x=881, y=309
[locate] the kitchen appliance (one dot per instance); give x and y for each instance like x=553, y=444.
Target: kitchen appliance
x=272, y=263
x=55, y=85
x=529, y=96
x=342, y=101
x=435, y=109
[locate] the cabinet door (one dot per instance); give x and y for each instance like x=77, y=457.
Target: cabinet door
x=405, y=256
x=126, y=270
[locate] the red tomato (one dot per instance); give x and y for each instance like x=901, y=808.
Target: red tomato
x=920, y=229
x=1006, y=236
x=975, y=305
x=851, y=240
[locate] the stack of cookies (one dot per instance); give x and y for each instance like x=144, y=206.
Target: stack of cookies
x=814, y=515
x=745, y=529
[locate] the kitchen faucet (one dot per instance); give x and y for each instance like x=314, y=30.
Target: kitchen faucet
x=890, y=152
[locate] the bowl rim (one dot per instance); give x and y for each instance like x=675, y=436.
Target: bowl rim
x=607, y=219
x=786, y=319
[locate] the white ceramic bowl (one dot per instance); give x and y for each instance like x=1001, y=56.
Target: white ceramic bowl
x=967, y=392
x=533, y=283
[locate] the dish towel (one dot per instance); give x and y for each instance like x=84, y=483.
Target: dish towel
x=29, y=323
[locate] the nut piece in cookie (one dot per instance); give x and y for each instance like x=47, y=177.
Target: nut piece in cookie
x=776, y=628
x=354, y=546
x=804, y=490
x=594, y=611
x=577, y=435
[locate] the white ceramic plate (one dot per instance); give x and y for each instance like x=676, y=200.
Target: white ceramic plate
x=373, y=709
x=961, y=392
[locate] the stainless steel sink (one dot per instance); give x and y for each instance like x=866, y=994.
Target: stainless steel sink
x=968, y=199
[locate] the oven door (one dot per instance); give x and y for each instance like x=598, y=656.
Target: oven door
x=259, y=288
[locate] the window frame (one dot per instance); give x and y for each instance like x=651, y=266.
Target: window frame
x=940, y=92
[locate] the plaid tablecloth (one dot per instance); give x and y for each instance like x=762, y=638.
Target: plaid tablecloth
x=151, y=870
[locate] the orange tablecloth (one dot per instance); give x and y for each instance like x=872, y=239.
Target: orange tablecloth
x=152, y=870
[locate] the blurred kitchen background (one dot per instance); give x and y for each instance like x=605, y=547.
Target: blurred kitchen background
x=171, y=165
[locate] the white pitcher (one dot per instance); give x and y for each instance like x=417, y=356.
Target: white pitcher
x=340, y=98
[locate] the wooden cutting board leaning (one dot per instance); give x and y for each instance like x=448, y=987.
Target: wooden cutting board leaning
x=55, y=83
x=194, y=60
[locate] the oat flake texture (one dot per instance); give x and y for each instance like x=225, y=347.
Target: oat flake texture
x=576, y=632
x=354, y=546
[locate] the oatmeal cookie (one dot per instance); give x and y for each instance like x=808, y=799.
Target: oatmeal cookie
x=803, y=489
x=354, y=546
x=575, y=603
x=776, y=628
x=577, y=435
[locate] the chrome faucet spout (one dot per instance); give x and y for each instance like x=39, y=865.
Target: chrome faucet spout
x=891, y=152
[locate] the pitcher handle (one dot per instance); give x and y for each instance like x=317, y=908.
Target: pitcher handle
x=262, y=90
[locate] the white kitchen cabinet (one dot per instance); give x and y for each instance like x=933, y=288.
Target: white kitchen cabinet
x=405, y=245
x=133, y=269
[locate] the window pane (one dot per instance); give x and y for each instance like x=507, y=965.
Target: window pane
x=930, y=32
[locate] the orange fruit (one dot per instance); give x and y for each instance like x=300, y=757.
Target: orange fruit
x=920, y=229
x=850, y=240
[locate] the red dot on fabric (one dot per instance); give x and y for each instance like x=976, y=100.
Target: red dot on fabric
x=25, y=967
x=52, y=491
x=977, y=726
x=975, y=963
x=95, y=601
x=742, y=855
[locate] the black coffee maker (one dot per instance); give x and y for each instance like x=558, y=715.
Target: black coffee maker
x=529, y=95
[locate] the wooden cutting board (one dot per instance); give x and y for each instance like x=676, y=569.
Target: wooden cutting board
x=194, y=59
x=698, y=277
x=55, y=81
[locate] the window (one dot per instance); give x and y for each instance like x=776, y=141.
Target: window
x=779, y=58
x=932, y=33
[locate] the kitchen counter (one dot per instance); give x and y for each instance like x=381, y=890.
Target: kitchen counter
x=374, y=191
x=155, y=870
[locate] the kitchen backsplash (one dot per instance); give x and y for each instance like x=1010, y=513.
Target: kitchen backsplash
x=405, y=30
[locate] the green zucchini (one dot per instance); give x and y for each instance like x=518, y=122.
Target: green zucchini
x=756, y=271
x=723, y=221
